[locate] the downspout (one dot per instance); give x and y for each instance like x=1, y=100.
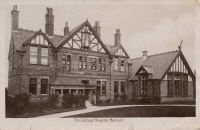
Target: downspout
x=129, y=64
x=21, y=60
x=110, y=77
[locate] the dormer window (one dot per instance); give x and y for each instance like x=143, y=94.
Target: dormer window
x=85, y=40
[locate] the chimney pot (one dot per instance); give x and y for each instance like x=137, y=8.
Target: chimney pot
x=15, y=18
x=97, y=28
x=117, y=37
x=66, y=29
x=49, y=26
x=144, y=55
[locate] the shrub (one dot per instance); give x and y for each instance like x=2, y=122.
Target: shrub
x=123, y=97
x=68, y=100
x=17, y=104
x=81, y=100
x=53, y=100
x=116, y=96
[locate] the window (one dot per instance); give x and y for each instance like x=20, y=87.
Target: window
x=38, y=55
x=103, y=89
x=57, y=91
x=144, y=86
x=44, y=86
x=33, y=85
x=185, y=85
x=84, y=62
x=101, y=85
x=94, y=61
x=68, y=62
x=80, y=91
x=85, y=40
x=90, y=63
x=65, y=91
x=115, y=87
x=80, y=62
x=116, y=64
x=122, y=64
x=73, y=91
x=170, y=85
x=64, y=62
x=33, y=55
x=102, y=64
x=44, y=56
x=86, y=82
x=123, y=87
x=177, y=84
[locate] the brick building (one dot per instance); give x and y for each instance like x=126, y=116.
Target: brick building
x=41, y=63
x=77, y=62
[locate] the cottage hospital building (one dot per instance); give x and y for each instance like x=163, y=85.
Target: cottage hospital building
x=43, y=63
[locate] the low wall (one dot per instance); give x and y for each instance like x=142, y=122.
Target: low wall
x=174, y=99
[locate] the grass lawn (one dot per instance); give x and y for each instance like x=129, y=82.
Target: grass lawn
x=46, y=111
x=143, y=111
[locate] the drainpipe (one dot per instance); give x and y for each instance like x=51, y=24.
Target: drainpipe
x=110, y=61
x=129, y=64
x=21, y=60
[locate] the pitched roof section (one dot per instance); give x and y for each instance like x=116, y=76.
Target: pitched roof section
x=160, y=63
x=67, y=82
x=114, y=49
x=20, y=36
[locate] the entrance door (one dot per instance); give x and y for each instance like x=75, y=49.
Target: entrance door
x=87, y=92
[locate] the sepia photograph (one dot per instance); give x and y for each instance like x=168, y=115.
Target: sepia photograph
x=100, y=62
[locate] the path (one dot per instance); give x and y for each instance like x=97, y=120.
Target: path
x=91, y=108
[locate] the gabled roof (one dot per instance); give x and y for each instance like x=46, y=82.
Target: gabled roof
x=114, y=49
x=147, y=69
x=67, y=81
x=78, y=28
x=21, y=36
x=160, y=64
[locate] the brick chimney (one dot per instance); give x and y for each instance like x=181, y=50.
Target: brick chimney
x=15, y=18
x=97, y=28
x=49, y=26
x=66, y=29
x=117, y=37
x=144, y=55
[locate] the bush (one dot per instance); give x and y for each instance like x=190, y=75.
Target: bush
x=70, y=100
x=116, y=96
x=81, y=100
x=53, y=100
x=17, y=104
x=123, y=97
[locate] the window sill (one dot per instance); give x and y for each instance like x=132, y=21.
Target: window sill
x=38, y=64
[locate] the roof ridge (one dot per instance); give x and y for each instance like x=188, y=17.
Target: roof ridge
x=157, y=54
x=163, y=53
x=26, y=30
x=136, y=58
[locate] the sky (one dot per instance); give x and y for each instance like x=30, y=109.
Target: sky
x=157, y=28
